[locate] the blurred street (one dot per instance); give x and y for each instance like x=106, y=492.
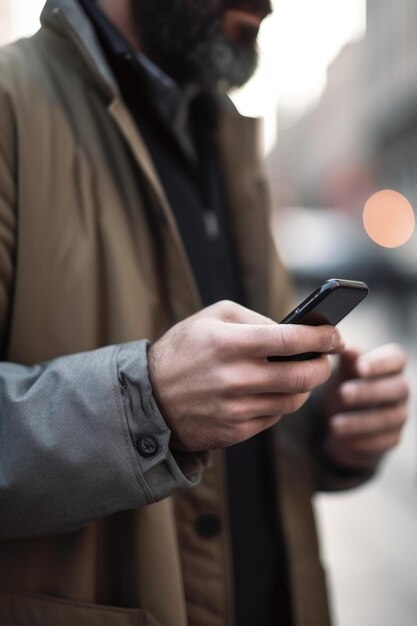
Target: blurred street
x=369, y=535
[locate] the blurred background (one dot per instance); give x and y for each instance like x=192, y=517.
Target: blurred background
x=337, y=88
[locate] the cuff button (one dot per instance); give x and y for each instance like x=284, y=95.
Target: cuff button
x=147, y=445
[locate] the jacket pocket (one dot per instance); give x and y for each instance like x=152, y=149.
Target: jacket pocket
x=27, y=609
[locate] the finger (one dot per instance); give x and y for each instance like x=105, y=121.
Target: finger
x=261, y=341
x=372, y=445
x=383, y=361
x=369, y=422
x=343, y=455
x=392, y=389
x=347, y=365
x=259, y=376
x=265, y=405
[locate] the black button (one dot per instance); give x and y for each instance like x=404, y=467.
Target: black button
x=208, y=525
x=147, y=445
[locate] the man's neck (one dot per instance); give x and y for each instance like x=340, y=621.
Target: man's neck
x=121, y=14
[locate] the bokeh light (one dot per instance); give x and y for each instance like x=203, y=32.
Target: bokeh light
x=389, y=219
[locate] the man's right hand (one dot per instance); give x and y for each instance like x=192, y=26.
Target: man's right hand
x=212, y=381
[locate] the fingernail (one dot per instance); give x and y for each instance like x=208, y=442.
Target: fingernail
x=335, y=340
x=363, y=367
x=348, y=391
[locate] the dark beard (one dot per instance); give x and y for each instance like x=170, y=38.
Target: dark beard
x=185, y=38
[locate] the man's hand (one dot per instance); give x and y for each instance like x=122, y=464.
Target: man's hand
x=366, y=406
x=212, y=381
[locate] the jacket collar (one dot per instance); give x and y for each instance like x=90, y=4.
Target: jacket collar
x=67, y=18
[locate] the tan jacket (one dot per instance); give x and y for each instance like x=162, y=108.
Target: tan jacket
x=92, y=532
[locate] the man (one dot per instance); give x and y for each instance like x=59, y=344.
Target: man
x=132, y=208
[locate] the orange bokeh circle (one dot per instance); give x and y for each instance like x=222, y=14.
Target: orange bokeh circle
x=389, y=219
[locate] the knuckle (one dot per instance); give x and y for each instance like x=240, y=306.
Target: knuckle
x=226, y=305
x=305, y=379
x=258, y=335
x=326, y=371
x=326, y=339
x=231, y=381
x=243, y=431
x=235, y=411
x=312, y=375
x=236, y=383
x=285, y=403
x=223, y=380
x=276, y=409
x=222, y=342
x=228, y=438
x=293, y=402
x=225, y=308
x=300, y=400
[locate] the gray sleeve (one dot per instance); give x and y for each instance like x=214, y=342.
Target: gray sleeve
x=81, y=438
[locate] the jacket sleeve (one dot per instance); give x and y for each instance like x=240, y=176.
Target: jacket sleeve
x=80, y=436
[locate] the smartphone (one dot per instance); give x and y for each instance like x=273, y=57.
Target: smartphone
x=329, y=304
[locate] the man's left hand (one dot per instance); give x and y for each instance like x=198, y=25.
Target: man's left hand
x=366, y=406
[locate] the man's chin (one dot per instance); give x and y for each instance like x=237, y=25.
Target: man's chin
x=216, y=47
x=233, y=64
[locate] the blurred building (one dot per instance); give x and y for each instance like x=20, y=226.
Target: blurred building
x=322, y=158
x=392, y=69
x=362, y=134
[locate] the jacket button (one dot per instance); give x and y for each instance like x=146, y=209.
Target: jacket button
x=208, y=526
x=147, y=445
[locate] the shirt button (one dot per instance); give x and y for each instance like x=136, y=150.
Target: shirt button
x=208, y=526
x=147, y=445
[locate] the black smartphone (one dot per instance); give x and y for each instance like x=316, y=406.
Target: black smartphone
x=329, y=304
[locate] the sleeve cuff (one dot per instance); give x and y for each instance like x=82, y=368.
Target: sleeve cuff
x=160, y=473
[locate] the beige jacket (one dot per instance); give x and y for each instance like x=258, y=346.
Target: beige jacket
x=93, y=532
